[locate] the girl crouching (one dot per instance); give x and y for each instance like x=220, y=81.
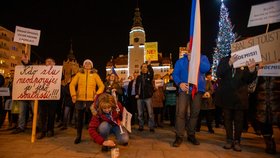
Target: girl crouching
x=106, y=119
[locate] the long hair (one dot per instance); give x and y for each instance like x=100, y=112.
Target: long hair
x=103, y=101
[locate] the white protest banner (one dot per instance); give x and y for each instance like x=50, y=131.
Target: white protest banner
x=37, y=82
x=27, y=36
x=4, y=91
x=159, y=83
x=246, y=54
x=266, y=13
x=126, y=119
x=268, y=43
x=270, y=70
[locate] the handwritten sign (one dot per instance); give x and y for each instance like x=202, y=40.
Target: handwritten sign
x=159, y=83
x=268, y=43
x=4, y=91
x=246, y=54
x=151, y=49
x=266, y=13
x=270, y=70
x=27, y=36
x=37, y=82
x=126, y=119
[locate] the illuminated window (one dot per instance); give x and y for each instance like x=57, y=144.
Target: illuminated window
x=13, y=57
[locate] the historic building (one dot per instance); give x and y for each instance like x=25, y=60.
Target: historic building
x=10, y=52
x=126, y=65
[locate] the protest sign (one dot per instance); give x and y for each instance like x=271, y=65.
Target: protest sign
x=246, y=54
x=268, y=43
x=27, y=36
x=37, y=82
x=270, y=70
x=151, y=49
x=266, y=13
x=4, y=91
x=159, y=83
x=126, y=119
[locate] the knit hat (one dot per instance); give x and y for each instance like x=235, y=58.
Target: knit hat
x=89, y=61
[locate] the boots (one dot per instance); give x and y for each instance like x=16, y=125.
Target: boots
x=178, y=141
x=270, y=145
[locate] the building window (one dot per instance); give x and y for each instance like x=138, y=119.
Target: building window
x=14, y=48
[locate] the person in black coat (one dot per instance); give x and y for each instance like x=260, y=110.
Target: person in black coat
x=144, y=92
x=232, y=96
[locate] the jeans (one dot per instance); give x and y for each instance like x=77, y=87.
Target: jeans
x=140, y=107
x=184, y=101
x=24, y=106
x=105, y=129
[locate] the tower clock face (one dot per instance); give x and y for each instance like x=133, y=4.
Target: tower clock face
x=136, y=39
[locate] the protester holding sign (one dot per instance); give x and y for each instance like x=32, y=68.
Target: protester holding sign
x=232, y=96
x=47, y=111
x=83, y=89
x=106, y=119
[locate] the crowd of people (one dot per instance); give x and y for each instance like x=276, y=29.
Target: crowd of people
x=87, y=100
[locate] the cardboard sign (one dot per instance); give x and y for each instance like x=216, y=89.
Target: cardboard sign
x=126, y=119
x=27, y=36
x=4, y=91
x=246, y=54
x=268, y=43
x=151, y=49
x=270, y=70
x=37, y=82
x=266, y=13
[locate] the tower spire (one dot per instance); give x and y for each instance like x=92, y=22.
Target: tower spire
x=137, y=20
x=71, y=55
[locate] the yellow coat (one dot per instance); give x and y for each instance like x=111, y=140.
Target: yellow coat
x=84, y=85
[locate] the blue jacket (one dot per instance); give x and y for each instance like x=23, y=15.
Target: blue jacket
x=181, y=69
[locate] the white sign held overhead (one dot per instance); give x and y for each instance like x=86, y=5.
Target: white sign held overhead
x=270, y=70
x=246, y=54
x=27, y=36
x=263, y=14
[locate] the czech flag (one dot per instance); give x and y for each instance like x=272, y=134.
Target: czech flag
x=195, y=45
x=114, y=71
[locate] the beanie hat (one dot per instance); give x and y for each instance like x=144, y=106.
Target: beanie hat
x=88, y=60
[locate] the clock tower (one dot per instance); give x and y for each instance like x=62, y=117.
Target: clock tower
x=136, y=44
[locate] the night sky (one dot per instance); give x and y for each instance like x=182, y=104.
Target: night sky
x=100, y=29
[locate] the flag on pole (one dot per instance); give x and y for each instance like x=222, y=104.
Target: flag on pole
x=195, y=45
x=114, y=71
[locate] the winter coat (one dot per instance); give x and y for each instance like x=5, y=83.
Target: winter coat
x=207, y=103
x=232, y=92
x=86, y=83
x=97, y=119
x=144, y=84
x=181, y=72
x=268, y=99
x=170, y=93
x=158, y=98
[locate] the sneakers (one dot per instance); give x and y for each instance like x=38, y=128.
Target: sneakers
x=178, y=141
x=236, y=146
x=17, y=130
x=193, y=140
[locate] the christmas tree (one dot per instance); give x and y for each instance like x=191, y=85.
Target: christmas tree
x=224, y=39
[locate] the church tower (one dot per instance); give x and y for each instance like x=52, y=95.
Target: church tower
x=136, y=46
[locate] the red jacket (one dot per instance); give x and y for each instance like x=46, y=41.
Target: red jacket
x=96, y=120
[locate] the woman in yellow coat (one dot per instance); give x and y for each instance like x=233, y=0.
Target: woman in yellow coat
x=83, y=89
